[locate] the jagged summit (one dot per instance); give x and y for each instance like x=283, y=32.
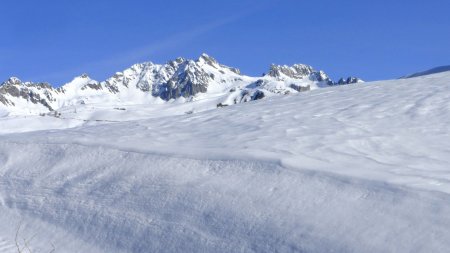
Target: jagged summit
x=12, y=81
x=84, y=76
x=142, y=83
x=349, y=80
x=207, y=59
x=296, y=71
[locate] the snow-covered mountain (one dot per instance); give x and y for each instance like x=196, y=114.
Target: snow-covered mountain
x=149, y=83
x=429, y=72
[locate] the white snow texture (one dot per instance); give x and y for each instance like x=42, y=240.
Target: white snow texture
x=358, y=168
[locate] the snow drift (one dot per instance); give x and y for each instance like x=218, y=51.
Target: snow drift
x=355, y=168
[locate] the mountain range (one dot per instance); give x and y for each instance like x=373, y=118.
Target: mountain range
x=182, y=80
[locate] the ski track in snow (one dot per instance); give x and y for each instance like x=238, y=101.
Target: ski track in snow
x=360, y=168
x=7, y=247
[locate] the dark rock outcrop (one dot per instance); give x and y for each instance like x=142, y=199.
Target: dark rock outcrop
x=349, y=80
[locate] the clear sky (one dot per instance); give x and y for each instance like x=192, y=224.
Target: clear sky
x=56, y=40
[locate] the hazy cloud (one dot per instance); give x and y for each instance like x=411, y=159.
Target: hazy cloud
x=130, y=57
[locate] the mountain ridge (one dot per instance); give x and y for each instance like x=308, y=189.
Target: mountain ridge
x=148, y=82
x=435, y=70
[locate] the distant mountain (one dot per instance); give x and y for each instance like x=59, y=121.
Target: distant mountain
x=179, y=79
x=429, y=72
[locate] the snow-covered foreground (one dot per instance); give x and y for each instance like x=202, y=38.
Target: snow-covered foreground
x=357, y=168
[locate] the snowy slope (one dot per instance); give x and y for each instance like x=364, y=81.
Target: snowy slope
x=355, y=168
x=429, y=72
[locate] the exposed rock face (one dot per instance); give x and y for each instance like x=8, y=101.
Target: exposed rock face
x=349, y=80
x=299, y=88
x=13, y=81
x=204, y=58
x=296, y=71
x=38, y=93
x=258, y=95
x=322, y=77
x=187, y=80
x=175, y=79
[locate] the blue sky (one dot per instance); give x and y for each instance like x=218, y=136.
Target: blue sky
x=56, y=40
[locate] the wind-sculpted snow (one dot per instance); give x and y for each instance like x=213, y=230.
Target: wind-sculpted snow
x=356, y=168
x=133, y=202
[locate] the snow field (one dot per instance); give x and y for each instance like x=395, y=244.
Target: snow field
x=357, y=168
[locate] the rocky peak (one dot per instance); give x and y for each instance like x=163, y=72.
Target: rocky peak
x=141, y=66
x=13, y=81
x=36, y=93
x=296, y=71
x=175, y=63
x=78, y=80
x=321, y=76
x=45, y=86
x=185, y=78
x=204, y=58
x=84, y=76
x=349, y=80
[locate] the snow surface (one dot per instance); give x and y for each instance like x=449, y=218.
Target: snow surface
x=356, y=168
x=429, y=72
